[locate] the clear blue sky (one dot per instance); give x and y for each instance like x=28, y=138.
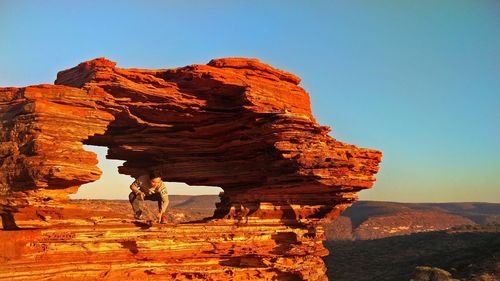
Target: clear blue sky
x=419, y=80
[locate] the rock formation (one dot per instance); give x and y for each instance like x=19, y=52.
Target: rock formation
x=235, y=123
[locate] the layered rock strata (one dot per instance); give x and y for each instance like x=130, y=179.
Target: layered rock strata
x=126, y=251
x=235, y=123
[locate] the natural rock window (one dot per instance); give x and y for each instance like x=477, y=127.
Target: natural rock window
x=235, y=123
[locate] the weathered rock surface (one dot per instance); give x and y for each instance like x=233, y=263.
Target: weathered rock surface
x=235, y=123
x=124, y=251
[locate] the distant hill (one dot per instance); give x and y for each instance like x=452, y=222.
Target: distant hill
x=481, y=213
x=378, y=219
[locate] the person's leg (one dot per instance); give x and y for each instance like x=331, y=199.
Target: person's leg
x=134, y=201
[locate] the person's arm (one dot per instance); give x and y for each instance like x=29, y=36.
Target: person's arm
x=136, y=188
x=164, y=201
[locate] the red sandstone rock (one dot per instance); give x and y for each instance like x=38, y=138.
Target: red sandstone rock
x=41, y=143
x=235, y=123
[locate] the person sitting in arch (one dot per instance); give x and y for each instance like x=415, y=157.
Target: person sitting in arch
x=149, y=187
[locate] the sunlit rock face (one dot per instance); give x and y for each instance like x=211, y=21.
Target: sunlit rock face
x=41, y=153
x=236, y=123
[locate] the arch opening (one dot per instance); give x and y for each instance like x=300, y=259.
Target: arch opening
x=186, y=203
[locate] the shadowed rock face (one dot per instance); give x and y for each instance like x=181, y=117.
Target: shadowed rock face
x=235, y=123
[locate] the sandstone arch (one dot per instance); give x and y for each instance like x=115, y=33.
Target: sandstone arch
x=235, y=123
